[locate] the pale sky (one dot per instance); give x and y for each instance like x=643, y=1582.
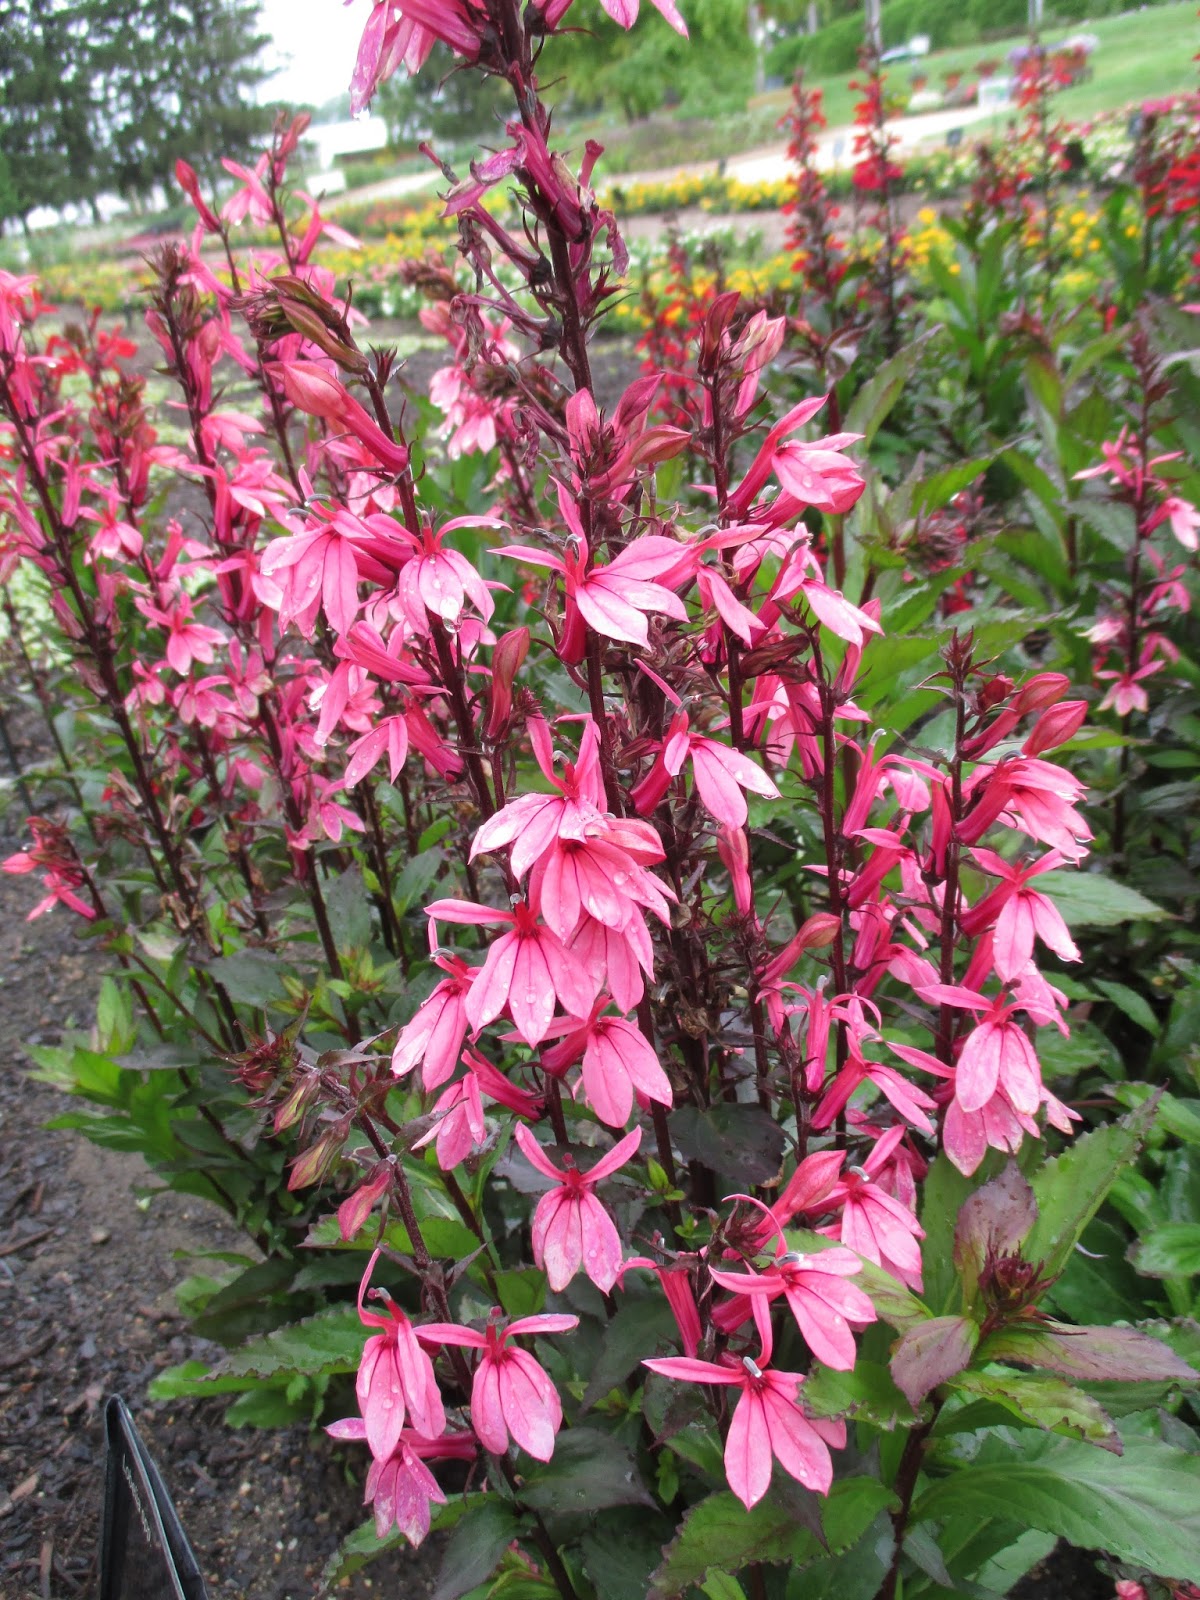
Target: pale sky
x=321, y=38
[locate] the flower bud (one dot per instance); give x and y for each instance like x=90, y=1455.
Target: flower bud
x=1055, y=726
x=1042, y=690
x=507, y=657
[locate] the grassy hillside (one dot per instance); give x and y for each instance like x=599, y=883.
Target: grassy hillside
x=1142, y=55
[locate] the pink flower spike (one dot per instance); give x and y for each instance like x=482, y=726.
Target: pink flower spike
x=571, y=1229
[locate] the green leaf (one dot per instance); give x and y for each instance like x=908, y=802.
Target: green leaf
x=522, y=1292
x=866, y=1394
x=720, y=1586
x=937, y=488
x=931, y=1354
x=251, y=978
x=589, y=1472
x=481, y=1536
x=1135, y=1006
x=446, y=1238
x=621, y=1548
x=1143, y=1507
x=330, y=1342
x=640, y=1328
x=1172, y=1251
x=1089, y=900
x=416, y=876
x=719, y=1534
x=872, y=404
x=850, y=1507
x=266, y=1406
x=854, y=1574
x=943, y=1195
x=354, y=1553
x=1181, y=1118
x=1044, y=1402
x=349, y=910
x=193, y=1378
x=1070, y=1189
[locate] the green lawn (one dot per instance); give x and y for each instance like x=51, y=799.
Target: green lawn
x=1141, y=56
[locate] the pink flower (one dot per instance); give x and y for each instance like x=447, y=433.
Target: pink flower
x=721, y=773
x=571, y=1229
x=510, y=1393
x=532, y=822
x=395, y=1378
x=1184, y=520
x=441, y=581
x=400, y=1487
x=459, y=1125
x=675, y=1279
x=435, y=1035
x=612, y=600
x=815, y=474
x=822, y=1302
x=1020, y=914
x=601, y=877
x=312, y=389
x=1128, y=693
x=526, y=970
x=767, y=1424
x=874, y=1223
x=997, y=1053
x=1030, y=794
x=616, y=1061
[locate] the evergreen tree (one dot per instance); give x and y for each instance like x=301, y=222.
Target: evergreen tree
x=47, y=107
x=105, y=95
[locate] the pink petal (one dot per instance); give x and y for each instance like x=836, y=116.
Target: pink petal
x=978, y=1067
x=795, y=1444
x=490, y=992
x=602, y=1254
x=487, y=1410
x=531, y=1405
x=531, y=990
x=748, y=1450
x=558, y=1237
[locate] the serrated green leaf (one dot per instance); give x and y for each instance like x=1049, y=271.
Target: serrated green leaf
x=1071, y=1187
x=1043, y=1402
x=1143, y=1507
x=330, y=1342
x=354, y=1553
x=1090, y=900
x=1171, y=1251
x=866, y=1394
x=719, y=1534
